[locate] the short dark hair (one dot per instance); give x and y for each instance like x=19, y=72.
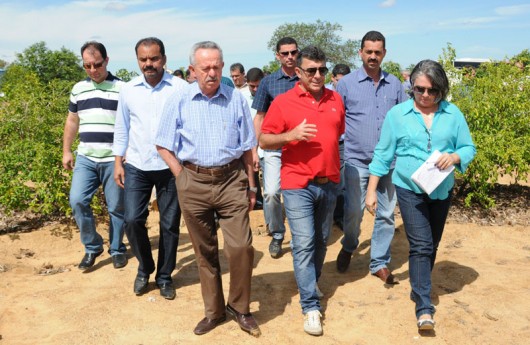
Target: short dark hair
x=178, y=73
x=435, y=73
x=340, y=68
x=237, y=66
x=312, y=53
x=96, y=45
x=148, y=41
x=255, y=74
x=285, y=40
x=373, y=36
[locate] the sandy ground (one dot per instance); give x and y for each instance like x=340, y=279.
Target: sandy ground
x=480, y=287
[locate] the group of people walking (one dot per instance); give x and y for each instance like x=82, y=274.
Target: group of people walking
x=197, y=145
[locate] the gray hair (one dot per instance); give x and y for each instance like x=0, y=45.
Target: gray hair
x=204, y=45
x=435, y=73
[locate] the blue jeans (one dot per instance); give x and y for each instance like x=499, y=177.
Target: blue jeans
x=356, y=180
x=88, y=176
x=272, y=162
x=424, y=220
x=138, y=186
x=338, y=214
x=310, y=215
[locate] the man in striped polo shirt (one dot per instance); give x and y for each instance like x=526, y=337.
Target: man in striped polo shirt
x=92, y=112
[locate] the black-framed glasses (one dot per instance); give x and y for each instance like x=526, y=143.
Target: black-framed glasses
x=311, y=71
x=421, y=90
x=94, y=65
x=292, y=52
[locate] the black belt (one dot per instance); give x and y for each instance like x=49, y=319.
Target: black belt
x=213, y=171
x=320, y=180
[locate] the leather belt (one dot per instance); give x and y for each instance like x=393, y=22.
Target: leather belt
x=320, y=180
x=213, y=171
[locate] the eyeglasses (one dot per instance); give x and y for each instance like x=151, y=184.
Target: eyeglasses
x=421, y=90
x=292, y=52
x=95, y=65
x=311, y=71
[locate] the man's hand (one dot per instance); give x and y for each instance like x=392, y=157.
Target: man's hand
x=68, y=160
x=119, y=171
x=303, y=132
x=251, y=199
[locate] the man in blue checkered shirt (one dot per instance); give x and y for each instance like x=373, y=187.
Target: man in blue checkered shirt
x=270, y=87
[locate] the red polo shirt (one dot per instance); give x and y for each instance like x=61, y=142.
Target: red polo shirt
x=302, y=161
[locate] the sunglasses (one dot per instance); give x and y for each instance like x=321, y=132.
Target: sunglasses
x=421, y=90
x=292, y=52
x=95, y=65
x=311, y=71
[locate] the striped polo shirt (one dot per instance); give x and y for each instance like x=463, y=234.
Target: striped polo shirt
x=96, y=105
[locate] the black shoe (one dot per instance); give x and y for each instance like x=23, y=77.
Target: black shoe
x=258, y=205
x=167, y=290
x=119, y=260
x=88, y=260
x=275, y=248
x=343, y=261
x=140, y=285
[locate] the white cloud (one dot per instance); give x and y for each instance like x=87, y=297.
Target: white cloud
x=387, y=3
x=467, y=21
x=513, y=10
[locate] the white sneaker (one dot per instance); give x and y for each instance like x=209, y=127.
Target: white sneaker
x=319, y=293
x=312, y=323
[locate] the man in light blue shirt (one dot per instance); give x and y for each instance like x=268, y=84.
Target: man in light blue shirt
x=368, y=93
x=206, y=137
x=139, y=109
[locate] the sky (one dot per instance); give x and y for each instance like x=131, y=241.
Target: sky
x=414, y=30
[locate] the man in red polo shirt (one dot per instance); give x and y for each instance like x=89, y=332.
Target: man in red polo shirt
x=306, y=122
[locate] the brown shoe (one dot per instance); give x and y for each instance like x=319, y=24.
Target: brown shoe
x=245, y=321
x=385, y=275
x=343, y=260
x=206, y=325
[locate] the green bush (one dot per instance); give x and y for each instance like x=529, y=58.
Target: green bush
x=496, y=106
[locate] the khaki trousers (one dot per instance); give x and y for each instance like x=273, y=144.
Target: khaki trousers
x=200, y=197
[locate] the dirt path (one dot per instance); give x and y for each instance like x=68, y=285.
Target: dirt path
x=481, y=290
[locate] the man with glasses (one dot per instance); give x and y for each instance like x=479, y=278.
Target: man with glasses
x=368, y=94
x=306, y=123
x=139, y=168
x=92, y=112
x=270, y=87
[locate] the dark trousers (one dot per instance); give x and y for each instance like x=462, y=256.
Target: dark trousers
x=138, y=187
x=201, y=196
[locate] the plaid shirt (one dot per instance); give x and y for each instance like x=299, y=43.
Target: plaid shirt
x=270, y=87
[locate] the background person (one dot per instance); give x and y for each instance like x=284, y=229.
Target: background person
x=411, y=132
x=368, y=94
x=271, y=86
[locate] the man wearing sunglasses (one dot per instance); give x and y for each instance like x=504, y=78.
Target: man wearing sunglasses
x=92, y=112
x=306, y=123
x=270, y=87
x=368, y=94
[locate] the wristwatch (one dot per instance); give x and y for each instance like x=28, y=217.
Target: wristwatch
x=253, y=189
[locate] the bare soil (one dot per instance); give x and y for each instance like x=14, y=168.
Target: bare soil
x=480, y=289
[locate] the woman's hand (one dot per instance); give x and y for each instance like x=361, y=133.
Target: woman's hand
x=447, y=160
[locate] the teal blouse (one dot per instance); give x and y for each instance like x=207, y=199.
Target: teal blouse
x=405, y=137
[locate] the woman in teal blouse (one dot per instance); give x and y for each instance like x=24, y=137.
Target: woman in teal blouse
x=411, y=132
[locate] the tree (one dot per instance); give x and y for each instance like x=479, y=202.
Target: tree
x=322, y=34
x=125, y=75
x=3, y=63
x=392, y=68
x=49, y=65
x=272, y=67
